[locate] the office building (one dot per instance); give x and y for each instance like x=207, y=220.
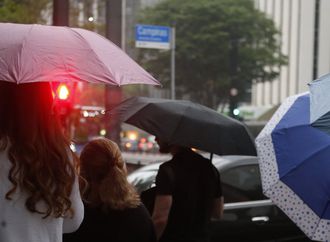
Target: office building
x=305, y=40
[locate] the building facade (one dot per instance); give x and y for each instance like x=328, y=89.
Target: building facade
x=305, y=40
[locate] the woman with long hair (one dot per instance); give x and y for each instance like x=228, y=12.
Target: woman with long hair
x=39, y=190
x=113, y=210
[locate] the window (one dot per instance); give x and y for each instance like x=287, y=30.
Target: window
x=242, y=184
x=143, y=180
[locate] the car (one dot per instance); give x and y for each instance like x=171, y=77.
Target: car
x=148, y=144
x=248, y=214
x=129, y=145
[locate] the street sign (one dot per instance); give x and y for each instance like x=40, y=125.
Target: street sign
x=152, y=36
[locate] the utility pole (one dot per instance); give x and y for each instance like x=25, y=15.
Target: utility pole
x=233, y=92
x=113, y=94
x=61, y=12
x=173, y=62
x=61, y=18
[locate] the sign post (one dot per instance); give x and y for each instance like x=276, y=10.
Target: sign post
x=173, y=64
x=158, y=37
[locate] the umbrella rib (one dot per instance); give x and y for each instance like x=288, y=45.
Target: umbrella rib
x=318, y=224
x=94, y=53
x=178, y=124
x=19, y=65
x=291, y=127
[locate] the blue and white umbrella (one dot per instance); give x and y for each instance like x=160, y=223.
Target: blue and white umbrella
x=294, y=157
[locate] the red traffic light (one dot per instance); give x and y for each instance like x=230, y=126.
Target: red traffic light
x=63, y=96
x=63, y=92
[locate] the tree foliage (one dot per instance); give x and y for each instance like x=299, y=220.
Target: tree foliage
x=220, y=44
x=23, y=11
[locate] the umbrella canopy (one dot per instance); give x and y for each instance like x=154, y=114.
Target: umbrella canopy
x=36, y=53
x=295, y=167
x=320, y=103
x=187, y=124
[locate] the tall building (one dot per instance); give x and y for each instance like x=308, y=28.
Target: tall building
x=305, y=39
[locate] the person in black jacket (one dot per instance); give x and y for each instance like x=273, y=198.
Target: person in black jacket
x=113, y=210
x=188, y=195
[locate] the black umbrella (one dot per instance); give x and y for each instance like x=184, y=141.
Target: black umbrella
x=188, y=124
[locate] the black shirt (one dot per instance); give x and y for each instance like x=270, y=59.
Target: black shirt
x=129, y=225
x=194, y=183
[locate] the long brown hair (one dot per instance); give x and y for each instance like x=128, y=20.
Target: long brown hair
x=39, y=153
x=103, y=168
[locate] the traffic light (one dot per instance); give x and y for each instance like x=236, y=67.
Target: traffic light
x=63, y=102
x=233, y=103
x=63, y=92
x=63, y=96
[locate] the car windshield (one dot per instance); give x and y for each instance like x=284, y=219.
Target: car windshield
x=143, y=179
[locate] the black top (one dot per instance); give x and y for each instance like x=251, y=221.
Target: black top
x=194, y=183
x=133, y=224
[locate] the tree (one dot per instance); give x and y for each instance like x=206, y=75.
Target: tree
x=220, y=45
x=24, y=11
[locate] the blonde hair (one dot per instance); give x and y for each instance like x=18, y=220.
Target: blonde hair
x=103, y=167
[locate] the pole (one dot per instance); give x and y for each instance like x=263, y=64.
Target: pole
x=123, y=26
x=61, y=18
x=113, y=94
x=233, y=92
x=61, y=12
x=173, y=63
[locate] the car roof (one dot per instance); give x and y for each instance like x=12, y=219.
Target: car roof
x=221, y=162
x=150, y=167
x=228, y=161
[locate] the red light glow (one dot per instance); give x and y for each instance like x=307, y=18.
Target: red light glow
x=63, y=92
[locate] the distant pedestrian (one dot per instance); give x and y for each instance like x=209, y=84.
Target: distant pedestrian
x=113, y=210
x=39, y=193
x=188, y=194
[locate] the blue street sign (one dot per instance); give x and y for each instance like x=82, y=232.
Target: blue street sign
x=152, y=36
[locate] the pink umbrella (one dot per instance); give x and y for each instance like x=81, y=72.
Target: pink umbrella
x=36, y=53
